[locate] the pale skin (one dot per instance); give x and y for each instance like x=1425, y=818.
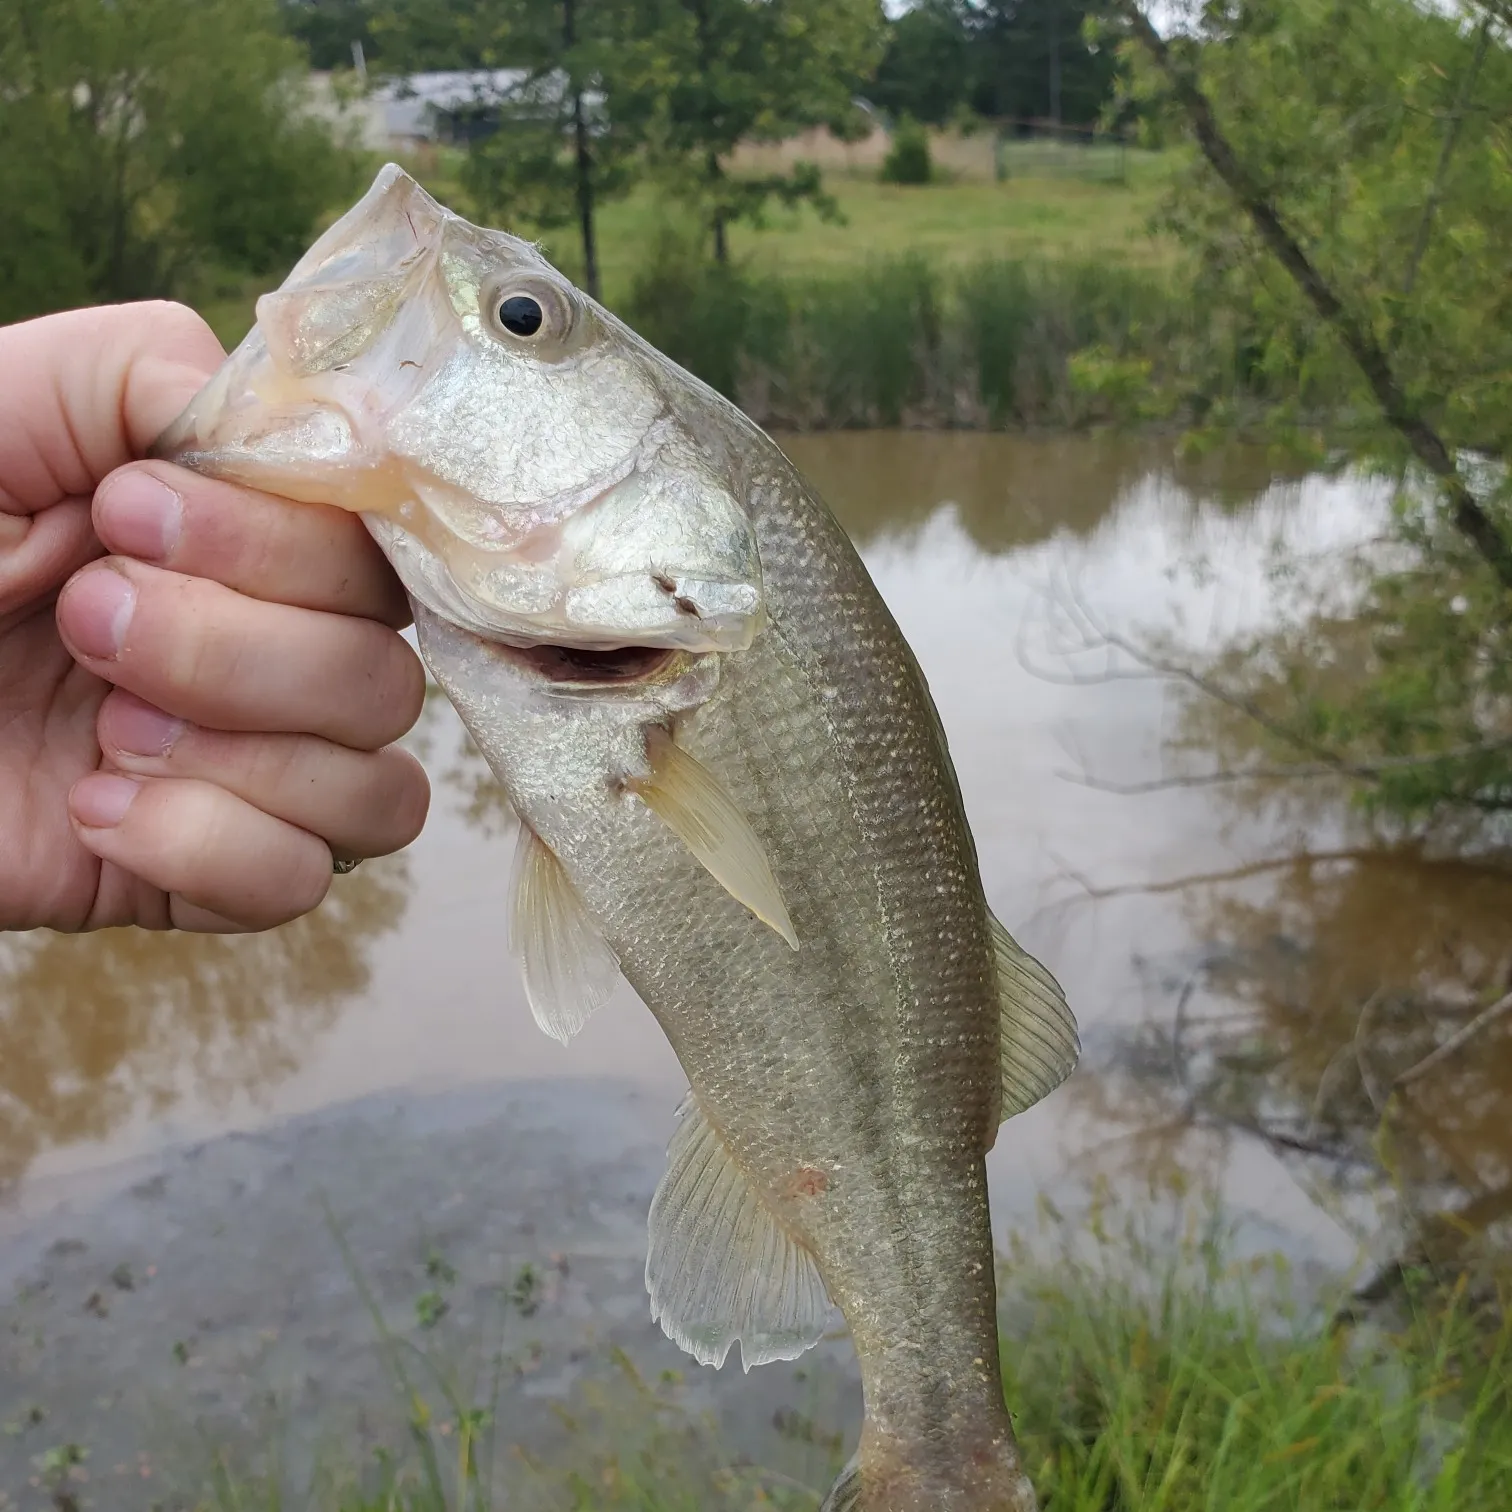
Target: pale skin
x=200, y=685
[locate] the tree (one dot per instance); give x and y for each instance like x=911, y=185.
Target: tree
x=1353, y=220
x=147, y=140
x=328, y=28
x=925, y=71
x=696, y=77
x=1032, y=60
x=543, y=145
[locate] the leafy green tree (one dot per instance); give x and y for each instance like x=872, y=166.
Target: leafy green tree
x=1352, y=222
x=328, y=28
x=693, y=78
x=925, y=71
x=148, y=140
x=544, y=148
x=1033, y=60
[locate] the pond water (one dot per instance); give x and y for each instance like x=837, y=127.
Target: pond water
x=1250, y=975
x=112, y=1044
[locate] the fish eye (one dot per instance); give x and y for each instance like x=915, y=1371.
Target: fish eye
x=521, y=314
x=533, y=311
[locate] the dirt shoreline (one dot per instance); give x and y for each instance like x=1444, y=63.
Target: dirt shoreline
x=199, y=1300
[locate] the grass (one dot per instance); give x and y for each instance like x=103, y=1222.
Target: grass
x=1140, y=1382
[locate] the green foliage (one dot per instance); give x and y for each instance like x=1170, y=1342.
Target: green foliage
x=1144, y=1385
x=925, y=71
x=147, y=141
x=693, y=81
x=1144, y=1374
x=1010, y=59
x=907, y=161
x=905, y=340
x=328, y=28
x=1392, y=169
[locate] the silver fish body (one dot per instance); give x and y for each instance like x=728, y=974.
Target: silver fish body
x=702, y=788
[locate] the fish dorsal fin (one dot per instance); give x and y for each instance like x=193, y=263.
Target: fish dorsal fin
x=689, y=799
x=720, y=1266
x=568, y=967
x=1039, y=1041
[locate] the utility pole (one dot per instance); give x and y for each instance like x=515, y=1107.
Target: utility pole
x=583, y=153
x=1055, y=62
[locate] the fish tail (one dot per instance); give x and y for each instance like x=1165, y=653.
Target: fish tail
x=881, y=1479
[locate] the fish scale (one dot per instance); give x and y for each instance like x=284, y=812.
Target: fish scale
x=733, y=788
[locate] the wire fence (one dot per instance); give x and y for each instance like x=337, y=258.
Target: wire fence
x=1051, y=149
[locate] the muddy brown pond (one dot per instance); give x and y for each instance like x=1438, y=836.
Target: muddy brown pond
x=213, y=1151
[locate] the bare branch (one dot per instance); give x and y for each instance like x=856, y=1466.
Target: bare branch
x=1361, y=770
x=1427, y=445
x=1482, y=1021
x=1230, y=874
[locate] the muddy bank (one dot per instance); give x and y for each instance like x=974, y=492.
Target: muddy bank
x=200, y=1300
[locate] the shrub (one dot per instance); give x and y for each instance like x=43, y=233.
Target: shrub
x=907, y=161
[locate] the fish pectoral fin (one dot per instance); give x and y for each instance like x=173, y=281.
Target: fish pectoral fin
x=1039, y=1044
x=687, y=797
x=568, y=967
x=720, y=1267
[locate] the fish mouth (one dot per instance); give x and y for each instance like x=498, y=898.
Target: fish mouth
x=591, y=667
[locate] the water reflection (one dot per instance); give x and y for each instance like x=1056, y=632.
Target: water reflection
x=100, y=1029
x=1348, y=1012
x=1008, y=493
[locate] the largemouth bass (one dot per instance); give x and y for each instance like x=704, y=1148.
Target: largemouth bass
x=732, y=787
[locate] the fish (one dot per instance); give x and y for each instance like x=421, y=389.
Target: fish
x=733, y=790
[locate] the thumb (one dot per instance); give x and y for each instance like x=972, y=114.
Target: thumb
x=85, y=391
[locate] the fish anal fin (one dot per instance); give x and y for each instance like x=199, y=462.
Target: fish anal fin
x=1039, y=1044
x=568, y=967
x=693, y=804
x=720, y=1268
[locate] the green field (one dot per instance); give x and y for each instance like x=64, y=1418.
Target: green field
x=1048, y=217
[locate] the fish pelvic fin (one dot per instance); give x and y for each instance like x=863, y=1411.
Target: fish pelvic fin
x=568, y=967
x=720, y=1268
x=690, y=800
x=1039, y=1045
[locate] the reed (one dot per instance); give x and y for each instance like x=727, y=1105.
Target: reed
x=904, y=340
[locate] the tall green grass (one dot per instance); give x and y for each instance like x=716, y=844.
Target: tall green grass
x=904, y=340
x=1139, y=1384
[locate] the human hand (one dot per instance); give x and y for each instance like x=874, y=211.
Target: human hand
x=193, y=726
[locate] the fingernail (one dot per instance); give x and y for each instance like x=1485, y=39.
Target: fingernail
x=101, y=801
x=141, y=728
x=96, y=609
x=140, y=515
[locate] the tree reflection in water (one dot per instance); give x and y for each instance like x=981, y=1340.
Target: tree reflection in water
x=1308, y=1023
x=96, y=1029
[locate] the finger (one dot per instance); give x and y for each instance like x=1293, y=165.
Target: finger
x=361, y=803
x=210, y=851
x=304, y=554
x=218, y=659
x=101, y=385
x=38, y=552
